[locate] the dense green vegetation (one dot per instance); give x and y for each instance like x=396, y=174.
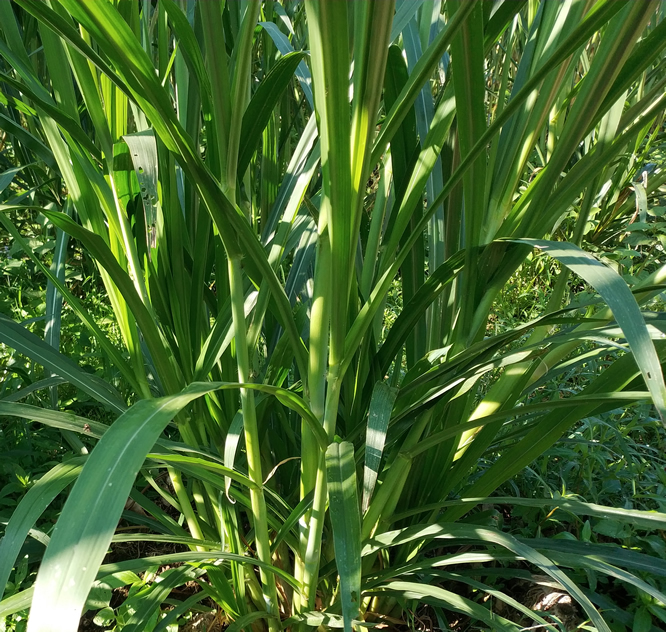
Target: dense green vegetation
x=327, y=314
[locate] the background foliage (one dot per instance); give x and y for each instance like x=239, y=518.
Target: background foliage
x=332, y=314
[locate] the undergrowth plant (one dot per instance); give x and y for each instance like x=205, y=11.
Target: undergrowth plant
x=250, y=179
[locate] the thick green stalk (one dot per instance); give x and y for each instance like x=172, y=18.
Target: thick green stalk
x=312, y=458
x=328, y=32
x=252, y=442
x=185, y=504
x=313, y=550
x=326, y=403
x=328, y=28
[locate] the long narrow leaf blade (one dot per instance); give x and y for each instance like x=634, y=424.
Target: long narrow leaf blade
x=31, y=507
x=18, y=337
x=379, y=414
x=84, y=530
x=622, y=303
x=343, y=504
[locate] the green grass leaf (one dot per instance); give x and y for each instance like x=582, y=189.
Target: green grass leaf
x=18, y=337
x=436, y=595
x=262, y=104
x=31, y=507
x=85, y=528
x=381, y=405
x=619, y=298
x=247, y=620
x=343, y=504
x=468, y=531
x=284, y=46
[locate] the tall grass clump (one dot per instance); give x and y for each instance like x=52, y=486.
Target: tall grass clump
x=250, y=180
